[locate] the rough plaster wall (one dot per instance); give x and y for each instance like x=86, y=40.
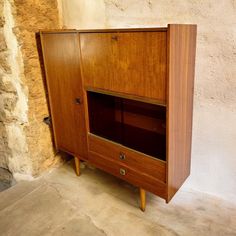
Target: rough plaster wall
x=214, y=126
x=82, y=14
x=30, y=16
x=25, y=143
x=4, y=69
x=13, y=100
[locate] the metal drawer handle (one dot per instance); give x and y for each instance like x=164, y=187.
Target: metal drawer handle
x=122, y=156
x=122, y=171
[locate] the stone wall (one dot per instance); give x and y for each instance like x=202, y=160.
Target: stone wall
x=25, y=144
x=13, y=109
x=30, y=16
x=4, y=68
x=214, y=126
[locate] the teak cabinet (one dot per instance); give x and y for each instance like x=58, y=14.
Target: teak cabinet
x=122, y=100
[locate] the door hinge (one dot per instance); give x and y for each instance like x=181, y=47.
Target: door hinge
x=47, y=120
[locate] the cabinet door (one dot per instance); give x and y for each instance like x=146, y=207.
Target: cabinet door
x=63, y=78
x=126, y=62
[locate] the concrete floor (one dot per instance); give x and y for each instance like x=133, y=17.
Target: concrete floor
x=60, y=203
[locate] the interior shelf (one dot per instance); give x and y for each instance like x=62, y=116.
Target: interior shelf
x=134, y=124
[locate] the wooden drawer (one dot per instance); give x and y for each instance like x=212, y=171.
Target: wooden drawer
x=128, y=174
x=126, y=62
x=125, y=156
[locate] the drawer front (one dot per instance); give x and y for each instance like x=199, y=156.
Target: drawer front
x=121, y=171
x=127, y=62
x=135, y=160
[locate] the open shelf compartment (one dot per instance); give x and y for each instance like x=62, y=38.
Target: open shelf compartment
x=137, y=125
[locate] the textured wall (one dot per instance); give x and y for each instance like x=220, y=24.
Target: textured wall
x=214, y=127
x=4, y=69
x=30, y=16
x=13, y=108
x=86, y=14
x=26, y=145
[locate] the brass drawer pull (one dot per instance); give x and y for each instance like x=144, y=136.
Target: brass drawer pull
x=122, y=171
x=122, y=156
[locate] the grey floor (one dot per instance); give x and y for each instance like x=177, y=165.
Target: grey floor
x=60, y=203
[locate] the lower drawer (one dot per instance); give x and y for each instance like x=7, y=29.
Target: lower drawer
x=126, y=173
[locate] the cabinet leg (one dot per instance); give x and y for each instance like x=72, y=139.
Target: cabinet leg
x=142, y=199
x=77, y=165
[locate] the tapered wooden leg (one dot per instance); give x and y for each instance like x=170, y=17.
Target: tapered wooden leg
x=77, y=165
x=142, y=199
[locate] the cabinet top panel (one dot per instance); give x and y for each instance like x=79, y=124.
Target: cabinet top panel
x=104, y=30
x=145, y=29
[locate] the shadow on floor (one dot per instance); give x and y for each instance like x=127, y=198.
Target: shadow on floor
x=6, y=179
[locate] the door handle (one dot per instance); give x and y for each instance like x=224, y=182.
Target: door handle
x=78, y=101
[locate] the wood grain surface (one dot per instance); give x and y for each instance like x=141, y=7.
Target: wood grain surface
x=181, y=63
x=136, y=160
x=137, y=178
x=130, y=63
x=61, y=60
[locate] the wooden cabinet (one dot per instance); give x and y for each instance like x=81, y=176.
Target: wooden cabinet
x=122, y=100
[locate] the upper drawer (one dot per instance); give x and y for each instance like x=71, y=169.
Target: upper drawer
x=126, y=62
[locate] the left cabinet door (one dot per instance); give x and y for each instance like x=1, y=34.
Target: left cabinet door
x=61, y=55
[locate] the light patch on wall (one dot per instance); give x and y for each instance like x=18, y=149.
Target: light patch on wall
x=15, y=60
x=83, y=14
x=19, y=161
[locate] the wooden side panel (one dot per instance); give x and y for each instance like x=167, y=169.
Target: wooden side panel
x=126, y=62
x=62, y=65
x=181, y=63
